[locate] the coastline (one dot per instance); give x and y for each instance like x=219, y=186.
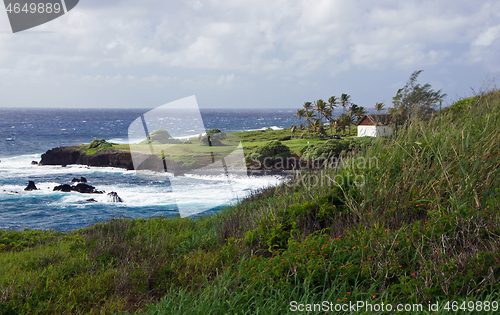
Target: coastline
x=75, y=155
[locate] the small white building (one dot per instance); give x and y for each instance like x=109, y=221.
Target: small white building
x=375, y=126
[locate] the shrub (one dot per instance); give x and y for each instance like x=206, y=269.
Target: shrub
x=213, y=137
x=100, y=144
x=333, y=148
x=271, y=152
x=160, y=136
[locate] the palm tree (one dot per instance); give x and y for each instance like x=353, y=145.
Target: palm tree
x=360, y=113
x=319, y=129
x=345, y=120
x=315, y=124
x=353, y=109
x=309, y=115
x=333, y=102
x=337, y=123
x=349, y=121
x=307, y=106
x=292, y=130
x=328, y=113
x=345, y=100
x=379, y=107
x=300, y=113
x=357, y=111
x=320, y=106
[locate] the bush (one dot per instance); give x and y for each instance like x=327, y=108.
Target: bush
x=160, y=136
x=333, y=148
x=213, y=137
x=100, y=144
x=213, y=131
x=271, y=152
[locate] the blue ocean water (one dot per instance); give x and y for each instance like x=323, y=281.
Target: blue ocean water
x=27, y=133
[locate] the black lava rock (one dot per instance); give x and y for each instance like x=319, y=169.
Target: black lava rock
x=113, y=197
x=81, y=180
x=31, y=186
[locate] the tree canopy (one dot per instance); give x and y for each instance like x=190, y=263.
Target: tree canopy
x=414, y=101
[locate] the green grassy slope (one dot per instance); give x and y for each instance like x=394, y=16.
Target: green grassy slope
x=412, y=219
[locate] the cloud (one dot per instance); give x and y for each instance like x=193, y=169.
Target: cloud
x=216, y=43
x=487, y=37
x=288, y=37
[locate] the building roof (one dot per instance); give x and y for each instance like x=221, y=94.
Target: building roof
x=375, y=120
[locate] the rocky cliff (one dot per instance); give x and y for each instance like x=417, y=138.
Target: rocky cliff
x=106, y=158
x=102, y=158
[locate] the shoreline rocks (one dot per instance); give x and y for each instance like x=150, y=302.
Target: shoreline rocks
x=113, y=197
x=81, y=180
x=31, y=186
x=81, y=188
x=103, y=158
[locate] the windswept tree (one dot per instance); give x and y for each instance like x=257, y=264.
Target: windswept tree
x=345, y=120
x=320, y=107
x=328, y=114
x=353, y=109
x=337, y=124
x=379, y=107
x=350, y=119
x=309, y=117
x=357, y=111
x=414, y=101
x=345, y=101
x=307, y=107
x=300, y=113
x=333, y=102
x=293, y=129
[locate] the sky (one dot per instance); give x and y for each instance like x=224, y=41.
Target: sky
x=248, y=54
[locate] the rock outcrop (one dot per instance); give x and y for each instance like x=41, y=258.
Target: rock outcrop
x=73, y=155
x=81, y=188
x=31, y=186
x=113, y=197
x=109, y=158
x=81, y=180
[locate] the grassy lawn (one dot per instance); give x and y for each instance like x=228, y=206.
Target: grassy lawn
x=250, y=140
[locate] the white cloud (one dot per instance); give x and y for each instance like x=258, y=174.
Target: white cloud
x=213, y=44
x=487, y=37
x=293, y=37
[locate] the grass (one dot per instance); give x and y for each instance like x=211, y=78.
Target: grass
x=421, y=225
x=250, y=140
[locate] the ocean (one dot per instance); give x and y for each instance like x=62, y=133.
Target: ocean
x=28, y=132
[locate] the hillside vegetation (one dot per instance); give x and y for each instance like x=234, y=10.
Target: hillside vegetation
x=410, y=219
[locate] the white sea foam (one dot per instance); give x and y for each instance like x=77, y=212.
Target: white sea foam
x=265, y=128
x=191, y=193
